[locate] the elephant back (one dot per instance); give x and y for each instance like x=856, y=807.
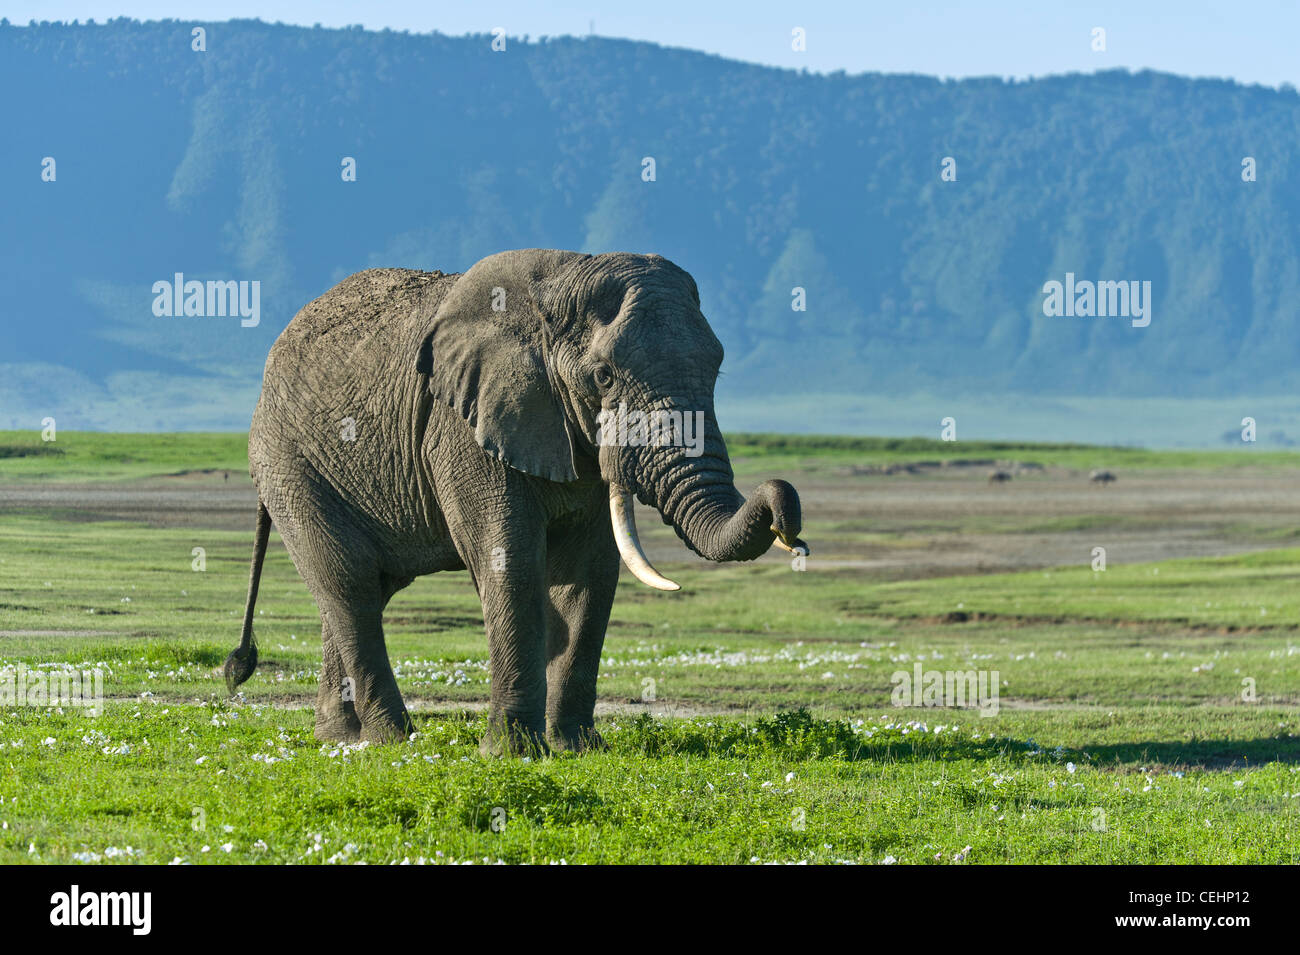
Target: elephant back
x=339, y=381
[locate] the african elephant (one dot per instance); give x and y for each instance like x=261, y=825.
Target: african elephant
x=412, y=422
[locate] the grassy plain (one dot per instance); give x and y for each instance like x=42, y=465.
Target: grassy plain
x=1146, y=713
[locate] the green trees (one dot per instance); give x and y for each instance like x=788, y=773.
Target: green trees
x=227, y=162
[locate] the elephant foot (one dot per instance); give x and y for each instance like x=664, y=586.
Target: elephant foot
x=337, y=728
x=513, y=738
x=574, y=739
x=387, y=729
x=336, y=717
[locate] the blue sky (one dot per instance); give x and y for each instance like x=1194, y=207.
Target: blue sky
x=1249, y=42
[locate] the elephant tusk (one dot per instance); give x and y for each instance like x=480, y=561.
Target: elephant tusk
x=629, y=545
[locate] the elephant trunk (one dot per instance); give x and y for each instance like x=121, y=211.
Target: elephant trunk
x=719, y=524
x=696, y=495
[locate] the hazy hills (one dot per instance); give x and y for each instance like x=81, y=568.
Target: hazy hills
x=225, y=164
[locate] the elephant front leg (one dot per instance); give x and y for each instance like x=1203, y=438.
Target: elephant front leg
x=583, y=575
x=512, y=586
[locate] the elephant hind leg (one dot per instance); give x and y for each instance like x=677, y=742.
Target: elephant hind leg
x=336, y=711
x=356, y=632
x=358, y=696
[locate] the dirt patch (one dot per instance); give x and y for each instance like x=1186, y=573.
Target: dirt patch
x=201, y=475
x=930, y=521
x=195, y=499
x=924, y=467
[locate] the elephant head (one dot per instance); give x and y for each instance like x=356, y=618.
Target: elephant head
x=572, y=366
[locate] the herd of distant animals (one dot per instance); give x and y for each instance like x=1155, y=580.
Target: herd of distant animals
x=1096, y=477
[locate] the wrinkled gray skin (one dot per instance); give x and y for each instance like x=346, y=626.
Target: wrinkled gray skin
x=475, y=430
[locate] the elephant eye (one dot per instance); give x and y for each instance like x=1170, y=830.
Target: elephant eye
x=604, y=376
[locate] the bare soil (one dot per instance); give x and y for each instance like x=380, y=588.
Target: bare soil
x=923, y=523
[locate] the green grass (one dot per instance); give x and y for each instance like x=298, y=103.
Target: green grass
x=737, y=637
x=1247, y=591
x=1148, y=713
x=790, y=750
x=156, y=783
x=96, y=456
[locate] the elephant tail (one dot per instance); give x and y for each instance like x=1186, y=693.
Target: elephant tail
x=243, y=659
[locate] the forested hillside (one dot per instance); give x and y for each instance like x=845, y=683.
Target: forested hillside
x=226, y=164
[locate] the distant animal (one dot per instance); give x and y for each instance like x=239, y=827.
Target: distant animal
x=1101, y=477
x=413, y=422
x=999, y=477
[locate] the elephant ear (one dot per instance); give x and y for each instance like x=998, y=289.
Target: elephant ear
x=487, y=356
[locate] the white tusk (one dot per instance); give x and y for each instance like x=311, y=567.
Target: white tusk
x=797, y=551
x=629, y=545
